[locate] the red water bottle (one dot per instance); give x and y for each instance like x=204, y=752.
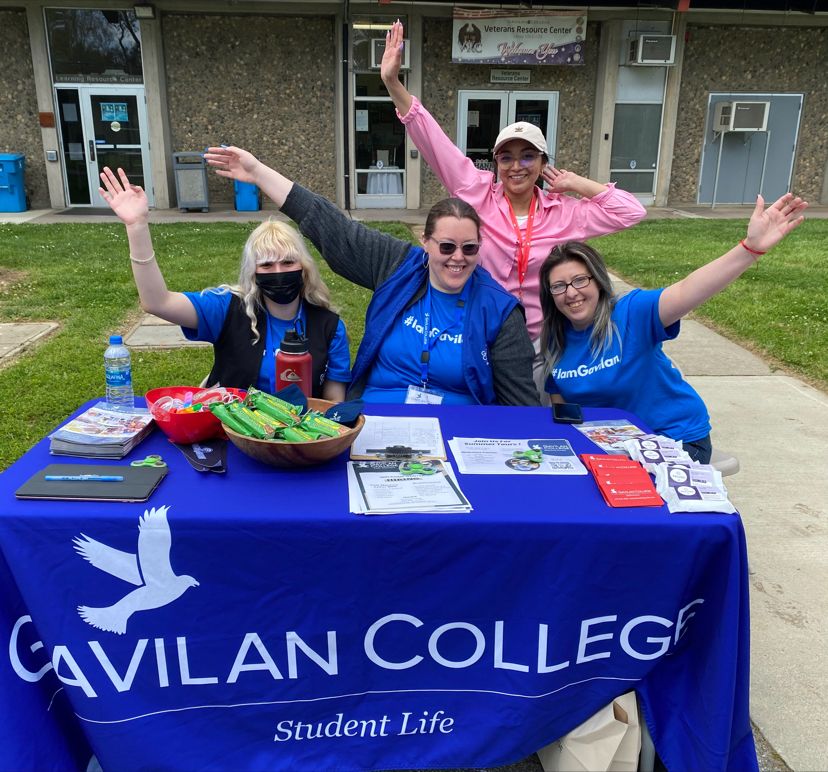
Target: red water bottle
x=293, y=363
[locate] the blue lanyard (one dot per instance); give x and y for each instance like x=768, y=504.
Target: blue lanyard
x=430, y=342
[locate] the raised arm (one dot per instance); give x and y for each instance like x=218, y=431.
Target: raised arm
x=562, y=181
x=390, y=68
x=360, y=254
x=237, y=164
x=129, y=202
x=767, y=227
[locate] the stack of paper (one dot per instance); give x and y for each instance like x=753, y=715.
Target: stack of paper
x=622, y=482
x=477, y=455
x=692, y=488
x=101, y=433
x=610, y=435
x=390, y=487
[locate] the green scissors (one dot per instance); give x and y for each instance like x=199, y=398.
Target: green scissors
x=417, y=467
x=152, y=460
x=534, y=455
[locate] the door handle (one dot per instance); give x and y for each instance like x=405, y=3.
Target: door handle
x=91, y=150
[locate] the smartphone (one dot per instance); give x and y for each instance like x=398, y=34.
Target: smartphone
x=567, y=413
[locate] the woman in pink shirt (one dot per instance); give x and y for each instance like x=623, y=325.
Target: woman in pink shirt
x=521, y=223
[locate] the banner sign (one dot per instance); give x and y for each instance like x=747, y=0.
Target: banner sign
x=518, y=37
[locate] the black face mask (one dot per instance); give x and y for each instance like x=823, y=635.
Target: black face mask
x=282, y=288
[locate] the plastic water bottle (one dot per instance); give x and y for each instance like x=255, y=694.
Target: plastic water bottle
x=293, y=363
x=118, y=369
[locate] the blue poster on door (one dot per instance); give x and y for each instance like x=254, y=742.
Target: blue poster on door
x=114, y=111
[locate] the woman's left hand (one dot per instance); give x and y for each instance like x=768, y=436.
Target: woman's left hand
x=767, y=227
x=559, y=180
x=233, y=162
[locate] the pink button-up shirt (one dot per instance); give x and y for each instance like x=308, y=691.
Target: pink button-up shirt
x=560, y=217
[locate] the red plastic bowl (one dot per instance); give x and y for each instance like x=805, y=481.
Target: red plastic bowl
x=187, y=427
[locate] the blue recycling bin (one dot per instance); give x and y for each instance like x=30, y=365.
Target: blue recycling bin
x=12, y=183
x=247, y=197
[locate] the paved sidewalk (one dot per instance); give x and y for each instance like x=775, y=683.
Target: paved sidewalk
x=777, y=426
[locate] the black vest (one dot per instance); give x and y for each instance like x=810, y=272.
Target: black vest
x=237, y=359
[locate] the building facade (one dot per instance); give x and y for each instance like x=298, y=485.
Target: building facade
x=728, y=104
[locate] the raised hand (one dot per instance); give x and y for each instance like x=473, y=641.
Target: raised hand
x=233, y=162
x=392, y=56
x=768, y=226
x=128, y=201
x=559, y=180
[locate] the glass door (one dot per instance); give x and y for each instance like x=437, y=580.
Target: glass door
x=482, y=115
x=102, y=126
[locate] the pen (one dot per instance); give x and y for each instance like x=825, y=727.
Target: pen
x=83, y=477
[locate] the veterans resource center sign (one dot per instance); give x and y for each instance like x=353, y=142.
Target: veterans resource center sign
x=518, y=37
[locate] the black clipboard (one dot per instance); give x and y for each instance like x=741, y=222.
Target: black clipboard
x=138, y=484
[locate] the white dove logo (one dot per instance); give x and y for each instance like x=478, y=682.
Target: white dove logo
x=150, y=570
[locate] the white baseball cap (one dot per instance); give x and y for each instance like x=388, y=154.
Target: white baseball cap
x=525, y=131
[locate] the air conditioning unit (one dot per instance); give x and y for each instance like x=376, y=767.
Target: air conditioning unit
x=378, y=49
x=652, y=50
x=740, y=116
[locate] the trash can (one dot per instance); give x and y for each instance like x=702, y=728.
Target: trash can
x=247, y=197
x=191, y=181
x=12, y=184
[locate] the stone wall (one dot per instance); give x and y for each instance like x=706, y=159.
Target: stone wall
x=744, y=60
x=264, y=83
x=576, y=87
x=19, y=127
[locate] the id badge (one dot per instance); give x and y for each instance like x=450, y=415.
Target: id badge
x=422, y=395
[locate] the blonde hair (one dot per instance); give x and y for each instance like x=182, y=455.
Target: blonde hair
x=276, y=242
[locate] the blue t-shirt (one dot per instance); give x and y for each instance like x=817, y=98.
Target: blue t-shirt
x=397, y=365
x=633, y=374
x=212, y=305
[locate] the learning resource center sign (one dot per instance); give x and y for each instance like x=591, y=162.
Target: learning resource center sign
x=518, y=37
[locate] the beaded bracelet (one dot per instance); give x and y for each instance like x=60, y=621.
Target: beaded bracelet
x=152, y=257
x=752, y=251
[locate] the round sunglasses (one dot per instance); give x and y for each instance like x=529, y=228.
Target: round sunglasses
x=468, y=249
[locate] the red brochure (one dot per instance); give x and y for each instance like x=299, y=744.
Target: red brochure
x=622, y=482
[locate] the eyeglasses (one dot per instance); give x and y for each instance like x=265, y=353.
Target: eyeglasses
x=524, y=159
x=579, y=282
x=468, y=249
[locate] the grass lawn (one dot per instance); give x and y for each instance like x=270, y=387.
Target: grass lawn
x=778, y=308
x=79, y=276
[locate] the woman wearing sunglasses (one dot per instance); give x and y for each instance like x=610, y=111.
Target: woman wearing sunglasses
x=521, y=223
x=279, y=289
x=438, y=327
x=606, y=351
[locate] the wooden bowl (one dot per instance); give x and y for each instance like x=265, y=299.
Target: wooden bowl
x=293, y=454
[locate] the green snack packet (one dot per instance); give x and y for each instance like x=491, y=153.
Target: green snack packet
x=311, y=423
x=263, y=396
x=244, y=416
x=284, y=417
x=220, y=411
x=294, y=434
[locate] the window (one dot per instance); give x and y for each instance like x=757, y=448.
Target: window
x=94, y=46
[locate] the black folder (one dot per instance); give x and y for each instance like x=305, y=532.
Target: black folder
x=138, y=483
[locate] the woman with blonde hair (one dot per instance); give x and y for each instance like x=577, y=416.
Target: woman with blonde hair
x=279, y=288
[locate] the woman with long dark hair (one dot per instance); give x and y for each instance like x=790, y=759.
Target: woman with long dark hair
x=605, y=351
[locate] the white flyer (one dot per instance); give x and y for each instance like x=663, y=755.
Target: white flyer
x=389, y=487
x=478, y=455
x=415, y=437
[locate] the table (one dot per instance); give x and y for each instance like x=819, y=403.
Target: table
x=387, y=181
x=317, y=639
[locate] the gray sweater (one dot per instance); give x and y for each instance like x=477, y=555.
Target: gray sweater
x=368, y=257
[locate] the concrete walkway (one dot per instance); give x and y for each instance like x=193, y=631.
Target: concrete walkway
x=777, y=426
